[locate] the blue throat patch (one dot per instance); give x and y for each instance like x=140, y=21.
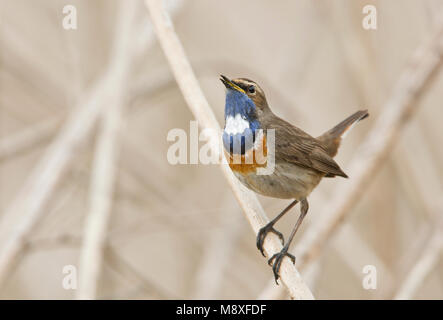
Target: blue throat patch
x=239, y=104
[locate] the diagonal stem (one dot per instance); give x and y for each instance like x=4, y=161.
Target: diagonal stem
x=397, y=112
x=199, y=106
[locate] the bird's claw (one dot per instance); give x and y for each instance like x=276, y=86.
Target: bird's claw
x=277, y=259
x=262, y=233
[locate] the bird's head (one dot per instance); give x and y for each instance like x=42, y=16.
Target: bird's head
x=245, y=103
x=248, y=88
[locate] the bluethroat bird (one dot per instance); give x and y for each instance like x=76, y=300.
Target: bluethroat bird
x=300, y=160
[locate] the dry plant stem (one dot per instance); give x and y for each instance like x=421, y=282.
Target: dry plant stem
x=112, y=259
x=425, y=264
x=203, y=113
x=217, y=253
x=104, y=167
x=396, y=112
x=39, y=133
x=119, y=264
x=373, y=151
x=27, y=208
x=102, y=183
x=353, y=249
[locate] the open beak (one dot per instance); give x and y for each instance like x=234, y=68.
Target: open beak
x=229, y=84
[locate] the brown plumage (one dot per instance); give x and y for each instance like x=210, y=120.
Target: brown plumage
x=301, y=161
x=331, y=139
x=295, y=146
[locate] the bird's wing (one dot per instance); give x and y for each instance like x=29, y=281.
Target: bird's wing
x=296, y=146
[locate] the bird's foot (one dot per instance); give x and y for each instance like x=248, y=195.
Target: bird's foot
x=277, y=259
x=263, y=232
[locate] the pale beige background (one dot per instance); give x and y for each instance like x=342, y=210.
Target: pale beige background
x=169, y=223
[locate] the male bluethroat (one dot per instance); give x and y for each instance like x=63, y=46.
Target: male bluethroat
x=300, y=160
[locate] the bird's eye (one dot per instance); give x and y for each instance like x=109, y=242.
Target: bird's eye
x=251, y=89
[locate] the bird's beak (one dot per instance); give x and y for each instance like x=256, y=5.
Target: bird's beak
x=230, y=85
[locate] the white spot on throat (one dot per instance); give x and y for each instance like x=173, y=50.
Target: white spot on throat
x=236, y=124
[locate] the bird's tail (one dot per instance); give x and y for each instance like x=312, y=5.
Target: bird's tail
x=331, y=139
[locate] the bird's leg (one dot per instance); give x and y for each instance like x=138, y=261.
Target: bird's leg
x=277, y=258
x=269, y=227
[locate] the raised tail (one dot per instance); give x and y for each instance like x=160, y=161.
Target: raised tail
x=331, y=139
